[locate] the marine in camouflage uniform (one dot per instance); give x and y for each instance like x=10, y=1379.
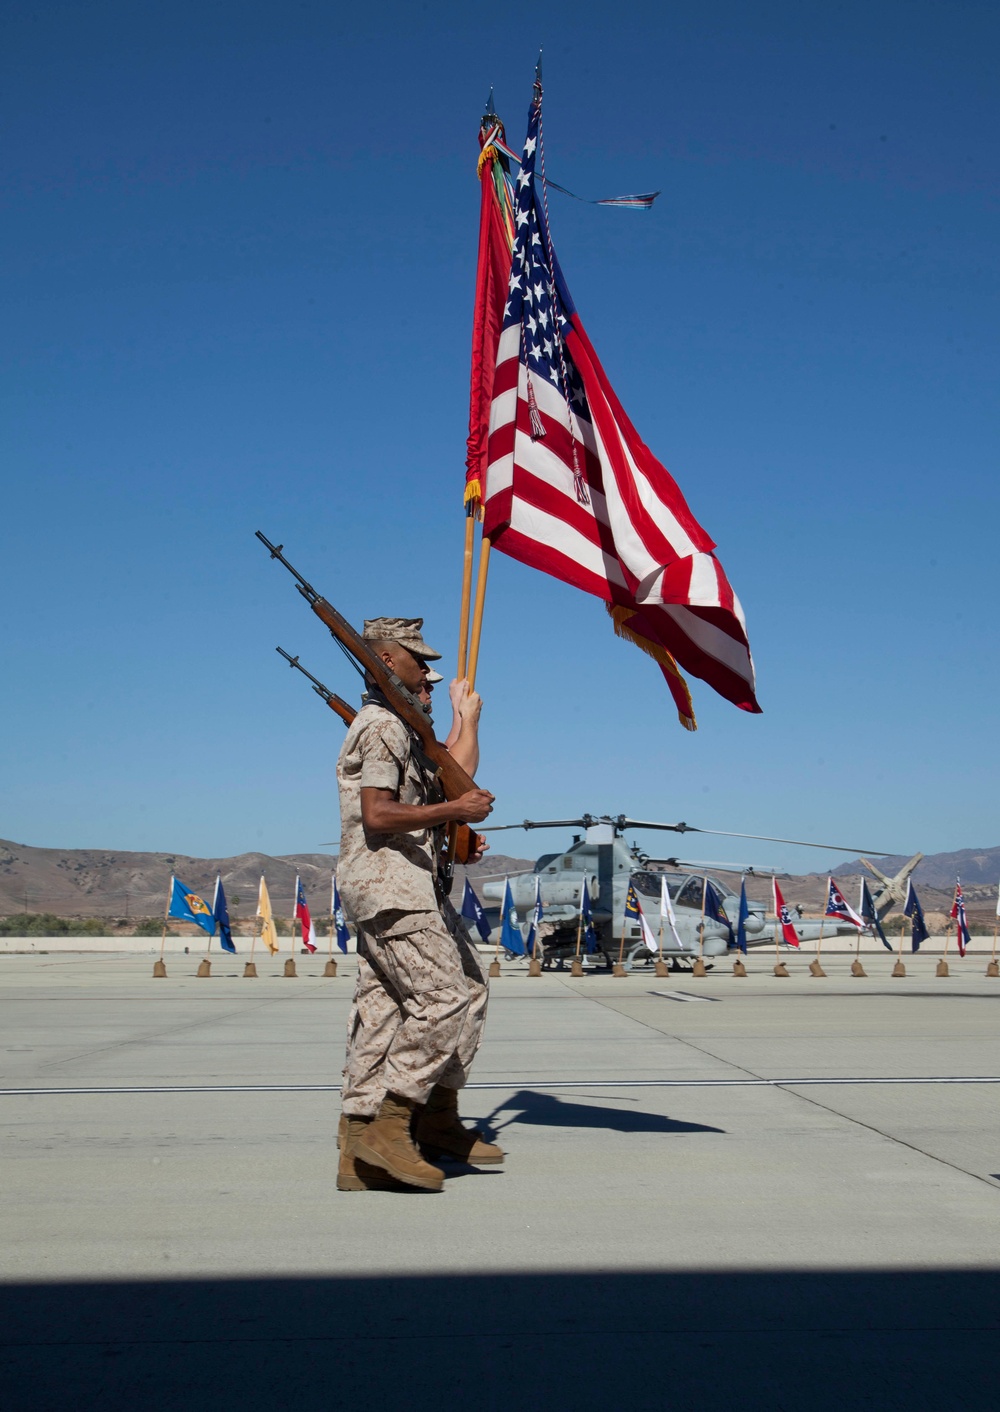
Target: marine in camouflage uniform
x=420, y=1000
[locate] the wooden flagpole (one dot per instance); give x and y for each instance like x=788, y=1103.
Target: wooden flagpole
x=698, y=969
x=899, y=969
x=576, y=969
x=780, y=968
x=159, y=969
x=618, y=969
x=250, y=969
x=463, y=624
x=477, y=612
x=993, y=968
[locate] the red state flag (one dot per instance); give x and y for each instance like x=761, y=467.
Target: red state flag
x=788, y=932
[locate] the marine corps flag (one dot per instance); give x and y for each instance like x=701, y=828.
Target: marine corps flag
x=268, y=931
x=571, y=489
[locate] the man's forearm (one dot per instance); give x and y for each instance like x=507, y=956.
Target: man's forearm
x=381, y=813
x=465, y=749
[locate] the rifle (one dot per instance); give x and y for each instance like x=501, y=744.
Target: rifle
x=452, y=778
x=467, y=841
x=336, y=703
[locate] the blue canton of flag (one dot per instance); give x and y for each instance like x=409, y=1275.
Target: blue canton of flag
x=510, y=931
x=741, y=920
x=587, y=918
x=472, y=910
x=187, y=906
x=913, y=910
x=870, y=917
x=220, y=914
x=339, y=920
x=631, y=905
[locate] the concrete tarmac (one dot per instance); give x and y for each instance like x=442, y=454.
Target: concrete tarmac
x=771, y=1190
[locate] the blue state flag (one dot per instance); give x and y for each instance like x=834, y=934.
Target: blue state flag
x=587, y=917
x=339, y=920
x=913, y=909
x=714, y=909
x=741, y=920
x=472, y=910
x=510, y=931
x=536, y=918
x=220, y=915
x=187, y=906
x=870, y=916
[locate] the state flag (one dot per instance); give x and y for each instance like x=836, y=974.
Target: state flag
x=536, y=918
x=304, y=917
x=741, y=920
x=510, y=930
x=472, y=910
x=959, y=918
x=268, y=931
x=870, y=915
x=913, y=910
x=220, y=913
x=337, y=913
x=587, y=918
x=781, y=912
x=667, y=913
x=187, y=906
x=715, y=910
x=837, y=905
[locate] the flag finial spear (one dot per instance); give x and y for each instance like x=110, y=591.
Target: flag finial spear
x=538, y=71
x=488, y=111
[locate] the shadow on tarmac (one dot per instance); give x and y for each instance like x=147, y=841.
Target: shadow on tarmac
x=546, y=1111
x=501, y=1343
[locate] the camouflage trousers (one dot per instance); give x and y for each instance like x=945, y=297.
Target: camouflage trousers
x=418, y=1012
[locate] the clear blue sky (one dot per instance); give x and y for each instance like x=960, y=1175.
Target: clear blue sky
x=238, y=254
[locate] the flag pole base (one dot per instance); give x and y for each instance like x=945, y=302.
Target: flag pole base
x=993, y=969
x=204, y=968
x=899, y=969
x=249, y=970
x=942, y=968
x=330, y=969
x=495, y=971
x=159, y=971
x=534, y=967
x=738, y=968
x=577, y=967
x=662, y=970
x=290, y=967
x=780, y=969
x=857, y=969
x=618, y=969
x=698, y=969
x=815, y=969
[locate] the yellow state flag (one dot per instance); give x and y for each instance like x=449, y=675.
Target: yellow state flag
x=268, y=931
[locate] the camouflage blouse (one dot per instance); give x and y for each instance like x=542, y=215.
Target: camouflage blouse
x=387, y=872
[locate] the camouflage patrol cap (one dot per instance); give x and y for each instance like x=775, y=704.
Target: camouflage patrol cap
x=405, y=631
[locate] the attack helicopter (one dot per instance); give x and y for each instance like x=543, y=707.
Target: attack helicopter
x=601, y=860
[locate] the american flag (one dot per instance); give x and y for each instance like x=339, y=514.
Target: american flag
x=572, y=490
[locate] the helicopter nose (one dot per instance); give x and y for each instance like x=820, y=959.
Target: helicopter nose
x=493, y=891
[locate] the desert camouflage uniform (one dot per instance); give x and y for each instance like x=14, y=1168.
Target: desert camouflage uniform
x=420, y=999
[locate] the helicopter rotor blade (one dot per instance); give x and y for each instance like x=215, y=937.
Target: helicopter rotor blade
x=751, y=870
x=759, y=837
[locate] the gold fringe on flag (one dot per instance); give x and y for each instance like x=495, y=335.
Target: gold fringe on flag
x=660, y=655
x=473, y=495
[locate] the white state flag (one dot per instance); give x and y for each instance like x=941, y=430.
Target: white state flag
x=667, y=910
x=998, y=901
x=648, y=939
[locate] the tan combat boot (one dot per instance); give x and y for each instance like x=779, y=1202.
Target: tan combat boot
x=440, y=1132
x=386, y=1143
x=353, y=1175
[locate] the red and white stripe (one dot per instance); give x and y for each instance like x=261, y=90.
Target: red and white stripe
x=636, y=544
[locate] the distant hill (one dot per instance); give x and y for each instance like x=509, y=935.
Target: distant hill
x=86, y=882
x=973, y=865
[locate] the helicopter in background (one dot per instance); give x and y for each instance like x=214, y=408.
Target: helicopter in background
x=606, y=864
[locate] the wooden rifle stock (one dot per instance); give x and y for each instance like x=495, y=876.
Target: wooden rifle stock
x=454, y=781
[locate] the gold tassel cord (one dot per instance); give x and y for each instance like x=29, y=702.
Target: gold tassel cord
x=660, y=655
